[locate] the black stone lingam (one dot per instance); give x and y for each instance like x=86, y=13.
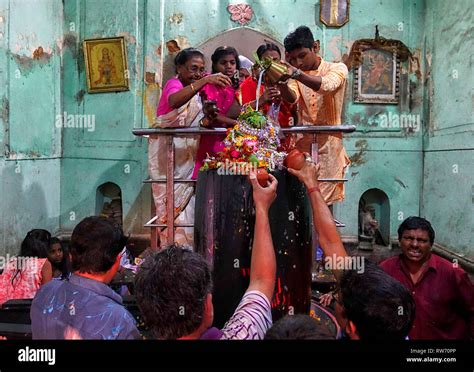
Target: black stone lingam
x=224, y=228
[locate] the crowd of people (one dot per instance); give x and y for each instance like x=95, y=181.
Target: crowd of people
x=310, y=92
x=41, y=259
x=416, y=295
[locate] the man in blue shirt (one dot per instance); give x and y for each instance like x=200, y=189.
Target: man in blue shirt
x=86, y=307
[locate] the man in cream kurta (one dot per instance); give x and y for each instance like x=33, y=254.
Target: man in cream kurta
x=319, y=89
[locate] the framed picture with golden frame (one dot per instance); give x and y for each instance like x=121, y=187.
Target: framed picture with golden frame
x=106, y=65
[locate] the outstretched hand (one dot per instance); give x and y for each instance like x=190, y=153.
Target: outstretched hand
x=218, y=79
x=271, y=93
x=308, y=174
x=263, y=197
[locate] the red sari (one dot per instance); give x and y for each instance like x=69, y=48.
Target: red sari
x=248, y=93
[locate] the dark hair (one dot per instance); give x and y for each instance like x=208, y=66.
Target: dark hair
x=55, y=240
x=299, y=327
x=95, y=244
x=65, y=265
x=35, y=244
x=171, y=287
x=302, y=37
x=224, y=51
x=380, y=306
x=185, y=55
x=416, y=223
x=266, y=47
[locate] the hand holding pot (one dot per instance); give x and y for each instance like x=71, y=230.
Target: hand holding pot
x=263, y=197
x=295, y=159
x=308, y=174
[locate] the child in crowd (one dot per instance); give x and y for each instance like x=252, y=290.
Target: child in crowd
x=59, y=258
x=225, y=60
x=23, y=275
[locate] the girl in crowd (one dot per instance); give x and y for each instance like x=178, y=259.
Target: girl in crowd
x=59, y=259
x=24, y=275
x=247, y=93
x=180, y=106
x=225, y=61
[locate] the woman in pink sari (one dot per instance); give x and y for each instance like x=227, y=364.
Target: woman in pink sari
x=225, y=60
x=180, y=106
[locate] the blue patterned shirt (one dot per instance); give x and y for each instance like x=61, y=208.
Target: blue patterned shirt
x=84, y=307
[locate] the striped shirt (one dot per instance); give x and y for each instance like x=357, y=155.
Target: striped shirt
x=251, y=319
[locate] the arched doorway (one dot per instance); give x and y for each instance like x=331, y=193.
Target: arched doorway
x=374, y=219
x=109, y=202
x=244, y=39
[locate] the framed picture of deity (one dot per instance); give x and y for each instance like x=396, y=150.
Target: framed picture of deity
x=106, y=65
x=377, y=77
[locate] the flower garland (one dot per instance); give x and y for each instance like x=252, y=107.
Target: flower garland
x=252, y=142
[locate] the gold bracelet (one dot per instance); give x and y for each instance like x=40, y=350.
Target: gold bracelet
x=192, y=88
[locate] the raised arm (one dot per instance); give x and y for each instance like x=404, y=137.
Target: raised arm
x=263, y=262
x=328, y=83
x=323, y=220
x=180, y=97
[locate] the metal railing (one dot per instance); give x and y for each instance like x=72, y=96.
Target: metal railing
x=170, y=133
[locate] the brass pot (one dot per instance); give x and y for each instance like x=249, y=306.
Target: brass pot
x=275, y=73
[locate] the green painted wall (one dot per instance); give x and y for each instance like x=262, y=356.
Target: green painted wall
x=448, y=191
x=110, y=152
x=30, y=96
x=75, y=161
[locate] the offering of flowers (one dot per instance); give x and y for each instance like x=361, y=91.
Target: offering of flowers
x=251, y=144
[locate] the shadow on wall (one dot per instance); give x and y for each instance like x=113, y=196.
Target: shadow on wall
x=23, y=208
x=109, y=195
x=374, y=219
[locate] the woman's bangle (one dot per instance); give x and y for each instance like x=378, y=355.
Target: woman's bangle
x=312, y=189
x=192, y=88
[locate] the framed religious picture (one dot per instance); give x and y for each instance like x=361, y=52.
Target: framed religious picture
x=334, y=13
x=106, y=65
x=377, y=77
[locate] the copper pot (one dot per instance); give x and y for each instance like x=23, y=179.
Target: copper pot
x=262, y=177
x=295, y=159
